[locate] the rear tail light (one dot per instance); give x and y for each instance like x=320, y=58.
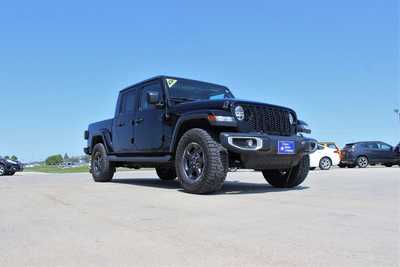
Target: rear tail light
x=337, y=151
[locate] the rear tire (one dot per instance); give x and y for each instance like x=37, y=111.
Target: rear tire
x=288, y=178
x=201, y=163
x=362, y=162
x=10, y=173
x=102, y=169
x=325, y=163
x=166, y=173
x=388, y=165
x=342, y=165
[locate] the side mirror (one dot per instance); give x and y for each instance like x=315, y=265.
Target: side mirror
x=153, y=98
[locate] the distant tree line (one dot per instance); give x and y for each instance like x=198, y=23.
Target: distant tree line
x=59, y=159
x=13, y=157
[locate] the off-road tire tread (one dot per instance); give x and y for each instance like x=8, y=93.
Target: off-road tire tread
x=107, y=174
x=217, y=162
x=5, y=171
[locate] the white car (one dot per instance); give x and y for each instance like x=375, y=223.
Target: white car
x=324, y=157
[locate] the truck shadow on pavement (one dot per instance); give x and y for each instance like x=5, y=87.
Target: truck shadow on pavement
x=230, y=187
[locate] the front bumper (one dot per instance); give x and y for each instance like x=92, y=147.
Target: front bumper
x=15, y=168
x=262, y=152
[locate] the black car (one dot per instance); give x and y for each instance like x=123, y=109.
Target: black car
x=196, y=131
x=362, y=154
x=10, y=167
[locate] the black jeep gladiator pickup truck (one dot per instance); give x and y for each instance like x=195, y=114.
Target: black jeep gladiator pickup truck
x=196, y=131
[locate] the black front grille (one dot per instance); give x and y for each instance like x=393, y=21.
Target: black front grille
x=271, y=120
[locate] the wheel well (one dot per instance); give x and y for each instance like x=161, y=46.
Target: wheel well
x=362, y=156
x=97, y=140
x=327, y=158
x=187, y=125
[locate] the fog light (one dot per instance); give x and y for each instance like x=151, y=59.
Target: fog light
x=250, y=143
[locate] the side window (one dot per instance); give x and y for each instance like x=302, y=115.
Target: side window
x=373, y=146
x=154, y=87
x=128, y=102
x=365, y=145
x=385, y=147
x=332, y=146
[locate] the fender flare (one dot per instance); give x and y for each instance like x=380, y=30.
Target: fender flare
x=183, y=119
x=105, y=136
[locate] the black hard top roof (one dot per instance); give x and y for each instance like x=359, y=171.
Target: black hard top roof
x=163, y=77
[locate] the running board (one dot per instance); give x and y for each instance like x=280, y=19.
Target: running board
x=162, y=159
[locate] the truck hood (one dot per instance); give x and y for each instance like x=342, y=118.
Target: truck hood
x=220, y=104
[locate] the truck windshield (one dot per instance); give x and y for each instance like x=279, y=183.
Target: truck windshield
x=186, y=90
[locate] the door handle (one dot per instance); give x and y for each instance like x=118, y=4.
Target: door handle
x=139, y=120
x=121, y=124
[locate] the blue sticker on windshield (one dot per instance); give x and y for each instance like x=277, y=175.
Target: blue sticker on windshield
x=286, y=147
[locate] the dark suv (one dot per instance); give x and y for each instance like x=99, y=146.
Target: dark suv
x=362, y=154
x=196, y=131
x=10, y=167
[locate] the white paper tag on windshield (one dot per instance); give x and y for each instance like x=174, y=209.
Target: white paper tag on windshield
x=171, y=82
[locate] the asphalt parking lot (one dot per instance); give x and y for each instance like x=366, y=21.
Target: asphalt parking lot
x=342, y=217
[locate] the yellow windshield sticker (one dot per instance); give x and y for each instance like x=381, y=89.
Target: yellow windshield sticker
x=171, y=82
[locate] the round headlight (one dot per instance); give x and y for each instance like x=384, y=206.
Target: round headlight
x=291, y=118
x=239, y=113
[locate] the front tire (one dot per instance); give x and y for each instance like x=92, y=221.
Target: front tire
x=102, y=169
x=11, y=173
x=362, y=162
x=166, y=173
x=288, y=178
x=325, y=163
x=201, y=163
x=2, y=170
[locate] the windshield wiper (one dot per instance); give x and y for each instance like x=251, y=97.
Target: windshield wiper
x=182, y=99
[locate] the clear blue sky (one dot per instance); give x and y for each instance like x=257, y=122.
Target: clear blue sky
x=62, y=64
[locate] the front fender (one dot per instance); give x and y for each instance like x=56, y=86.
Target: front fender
x=202, y=116
x=105, y=137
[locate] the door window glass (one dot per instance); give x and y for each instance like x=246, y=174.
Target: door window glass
x=385, y=147
x=332, y=146
x=128, y=102
x=373, y=146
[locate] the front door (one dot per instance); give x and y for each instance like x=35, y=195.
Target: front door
x=387, y=152
x=149, y=123
x=124, y=123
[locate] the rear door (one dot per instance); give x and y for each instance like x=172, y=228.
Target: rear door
x=372, y=152
x=149, y=126
x=124, y=122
